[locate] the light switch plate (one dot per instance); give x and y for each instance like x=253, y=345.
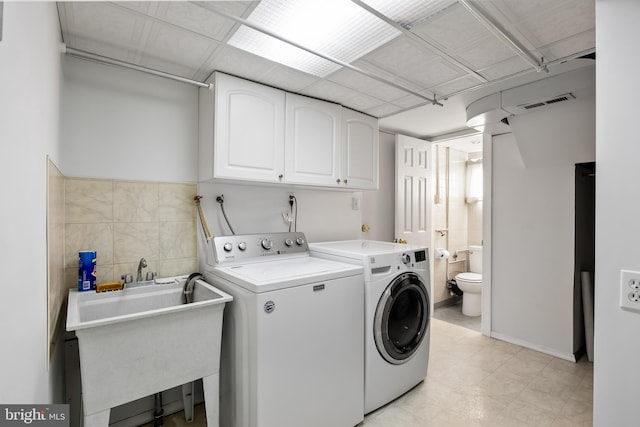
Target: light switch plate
x=630, y=290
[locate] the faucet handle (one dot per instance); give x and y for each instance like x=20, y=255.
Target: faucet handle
x=127, y=278
x=151, y=275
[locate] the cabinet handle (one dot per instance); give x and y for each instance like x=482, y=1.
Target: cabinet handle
x=345, y=182
x=280, y=176
x=338, y=180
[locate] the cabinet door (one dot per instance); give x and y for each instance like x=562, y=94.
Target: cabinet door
x=249, y=130
x=312, y=141
x=359, y=150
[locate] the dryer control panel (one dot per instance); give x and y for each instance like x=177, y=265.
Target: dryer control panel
x=253, y=247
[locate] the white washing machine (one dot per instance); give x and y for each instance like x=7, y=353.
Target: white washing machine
x=397, y=313
x=292, y=348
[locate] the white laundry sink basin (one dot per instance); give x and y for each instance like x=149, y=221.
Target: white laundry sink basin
x=142, y=340
x=91, y=309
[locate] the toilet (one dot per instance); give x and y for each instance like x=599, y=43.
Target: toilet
x=470, y=283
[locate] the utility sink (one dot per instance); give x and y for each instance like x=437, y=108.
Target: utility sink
x=143, y=340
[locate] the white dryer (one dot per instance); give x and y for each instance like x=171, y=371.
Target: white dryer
x=292, y=348
x=397, y=313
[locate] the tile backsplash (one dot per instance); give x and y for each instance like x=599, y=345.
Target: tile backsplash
x=127, y=220
x=56, y=285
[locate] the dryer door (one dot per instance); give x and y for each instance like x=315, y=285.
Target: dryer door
x=402, y=318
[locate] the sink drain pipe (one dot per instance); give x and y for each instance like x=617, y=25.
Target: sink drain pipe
x=158, y=412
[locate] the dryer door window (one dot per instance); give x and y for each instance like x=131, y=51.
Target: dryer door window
x=402, y=318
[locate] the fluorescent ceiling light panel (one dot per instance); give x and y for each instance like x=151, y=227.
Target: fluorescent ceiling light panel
x=338, y=29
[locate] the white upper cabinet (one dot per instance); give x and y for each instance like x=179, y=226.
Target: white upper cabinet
x=253, y=132
x=248, y=131
x=359, y=150
x=312, y=141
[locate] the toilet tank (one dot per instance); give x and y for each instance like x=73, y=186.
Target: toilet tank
x=475, y=259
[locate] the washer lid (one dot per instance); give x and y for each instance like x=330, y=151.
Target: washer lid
x=286, y=273
x=360, y=249
x=470, y=277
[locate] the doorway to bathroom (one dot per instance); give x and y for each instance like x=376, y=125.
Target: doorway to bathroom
x=456, y=223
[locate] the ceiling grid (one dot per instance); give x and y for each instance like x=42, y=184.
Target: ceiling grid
x=443, y=48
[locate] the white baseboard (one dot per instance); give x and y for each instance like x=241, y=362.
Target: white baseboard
x=540, y=348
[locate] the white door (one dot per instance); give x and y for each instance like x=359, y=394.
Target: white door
x=413, y=190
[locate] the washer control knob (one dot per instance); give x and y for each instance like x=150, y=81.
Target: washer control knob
x=242, y=246
x=227, y=247
x=406, y=259
x=266, y=244
x=288, y=242
x=300, y=241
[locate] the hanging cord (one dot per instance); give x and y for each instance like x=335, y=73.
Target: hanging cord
x=203, y=221
x=220, y=199
x=293, y=201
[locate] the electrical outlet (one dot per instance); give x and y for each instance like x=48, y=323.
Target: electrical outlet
x=630, y=290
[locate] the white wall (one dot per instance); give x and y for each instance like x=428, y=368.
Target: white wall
x=378, y=207
x=532, y=251
x=617, y=379
x=30, y=81
x=560, y=134
x=533, y=228
x=322, y=214
x=124, y=124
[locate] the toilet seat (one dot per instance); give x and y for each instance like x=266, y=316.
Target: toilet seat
x=470, y=277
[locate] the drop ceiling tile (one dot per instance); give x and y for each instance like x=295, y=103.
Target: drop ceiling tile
x=517, y=10
x=327, y=90
x=409, y=101
x=360, y=82
x=563, y=22
x=202, y=21
x=452, y=29
x=455, y=86
x=178, y=46
x=506, y=68
x=569, y=46
x=104, y=22
x=287, y=78
x=239, y=63
x=388, y=75
x=333, y=92
x=383, y=110
x=359, y=101
x=407, y=60
x=485, y=52
x=409, y=13
x=145, y=7
x=547, y=21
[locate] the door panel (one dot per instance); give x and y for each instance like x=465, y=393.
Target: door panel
x=413, y=182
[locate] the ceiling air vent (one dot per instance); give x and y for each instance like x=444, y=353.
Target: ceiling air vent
x=536, y=105
x=554, y=100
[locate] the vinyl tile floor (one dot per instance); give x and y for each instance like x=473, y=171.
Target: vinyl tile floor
x=453, y=314
x=474, y=380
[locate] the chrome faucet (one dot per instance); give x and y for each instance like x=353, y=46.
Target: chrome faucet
x=142, y=264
